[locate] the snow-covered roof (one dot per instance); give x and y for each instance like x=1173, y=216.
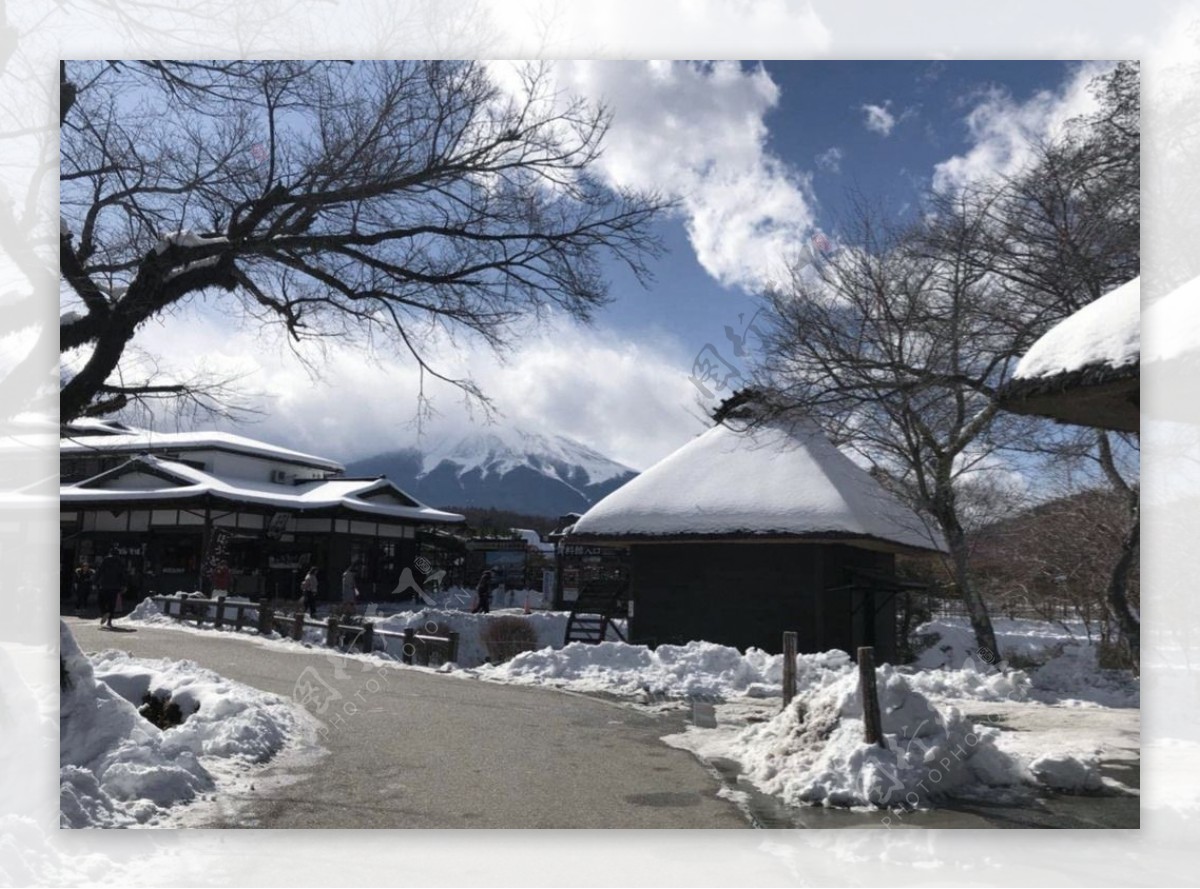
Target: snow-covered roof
x=169, y=481
x=1104, y=333
x=781, y=480
x=88, y=436
x=1085, y=369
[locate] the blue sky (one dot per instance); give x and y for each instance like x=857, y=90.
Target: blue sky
x=759, y=156
x=820, y=126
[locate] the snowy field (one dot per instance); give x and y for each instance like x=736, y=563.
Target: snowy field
x=956, y=724
x=117, y=769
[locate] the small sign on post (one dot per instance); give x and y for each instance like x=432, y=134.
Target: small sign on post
x=789, y=668
x=868, y=693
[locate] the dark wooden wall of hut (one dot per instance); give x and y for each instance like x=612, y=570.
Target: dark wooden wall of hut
x=748, y=594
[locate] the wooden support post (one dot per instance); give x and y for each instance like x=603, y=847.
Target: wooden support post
x=220, y=620
x=789, y=668
x=331, y=632
x=266, y=620
x=368, y=637
x=410, y=645
x=298, y=626
x=869, y=696
x=452, y=647
x=240, y=620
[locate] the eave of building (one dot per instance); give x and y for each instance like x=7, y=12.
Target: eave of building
x=827, y=538
x=1099, y=396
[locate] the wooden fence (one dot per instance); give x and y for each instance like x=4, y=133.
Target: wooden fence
x=417, y=648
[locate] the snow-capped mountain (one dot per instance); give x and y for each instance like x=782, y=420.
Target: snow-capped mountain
x=502, y=468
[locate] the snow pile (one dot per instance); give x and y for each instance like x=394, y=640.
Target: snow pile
x=971, y=682
x=1104, y=333
x=150, y=612
x=813, y=752
x=117, y=769
x=1072, y=675
x=694, y=670
x=1065, y=772
x=1064, y=659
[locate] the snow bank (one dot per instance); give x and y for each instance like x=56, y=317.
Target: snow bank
x=150, y=612
x=698, y=669
x=119, y=770
x=813, y=752
x=717, y=672
x=1066, y=668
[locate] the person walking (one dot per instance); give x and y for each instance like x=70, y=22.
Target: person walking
x=222, y=578
x=349, y=590
x=309, y=588
x=483, y=594
x=85, y=579
x=110, y=578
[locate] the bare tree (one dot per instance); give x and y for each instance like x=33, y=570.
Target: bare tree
x=376, y=201
x=894, y=346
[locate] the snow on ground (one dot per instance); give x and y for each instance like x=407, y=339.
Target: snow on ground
x=813, y=752
x=957, y=721
x=117, y=769
x=1063, y=670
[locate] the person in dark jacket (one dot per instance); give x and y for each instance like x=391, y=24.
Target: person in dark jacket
x=85, y=579
x=483, y=594
x=110, y=579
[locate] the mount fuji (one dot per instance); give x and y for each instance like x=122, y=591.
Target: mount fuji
x=511, y=469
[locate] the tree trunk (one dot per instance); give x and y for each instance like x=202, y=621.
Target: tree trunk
x=1118, y=594
x=981, y=622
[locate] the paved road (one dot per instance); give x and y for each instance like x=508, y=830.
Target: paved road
x=424, y=750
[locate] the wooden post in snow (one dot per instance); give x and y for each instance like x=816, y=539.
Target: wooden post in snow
x=789, y=668
x=868, y=693
x=298, y=626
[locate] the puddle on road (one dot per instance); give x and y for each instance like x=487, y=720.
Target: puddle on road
x=1016, y=808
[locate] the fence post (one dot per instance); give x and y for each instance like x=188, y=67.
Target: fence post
x=331, y=632
x=868, y=694
x=410, y=645
x=240, y=620
x=368, y=637
x=452, y=647
x=789, y=668
x=220, y=621
x=298, y=626
x=266, y=620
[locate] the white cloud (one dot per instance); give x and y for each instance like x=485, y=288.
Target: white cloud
x=1003, y=131
x=830, y=160
x=629, y=400
x=879, y=119
x=697, y=132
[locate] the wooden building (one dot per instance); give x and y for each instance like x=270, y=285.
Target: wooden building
x=1086, y=369
x=174, y=503
x=750, y=530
